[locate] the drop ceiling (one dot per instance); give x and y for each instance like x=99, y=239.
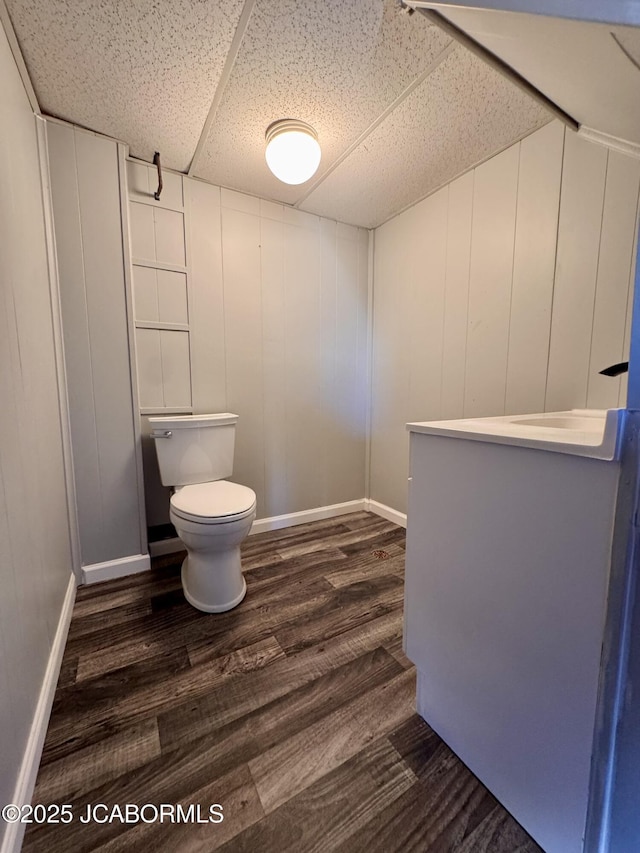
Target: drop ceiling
x=590, y=70
x=399, y=107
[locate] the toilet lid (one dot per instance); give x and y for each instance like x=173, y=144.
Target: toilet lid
x=213, y=501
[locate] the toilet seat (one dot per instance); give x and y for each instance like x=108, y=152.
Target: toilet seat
x=218, y=502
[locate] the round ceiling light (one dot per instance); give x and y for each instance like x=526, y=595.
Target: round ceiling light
x=293, y=152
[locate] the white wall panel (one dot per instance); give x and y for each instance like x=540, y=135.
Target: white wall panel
x=533, y=268
x=157, y=235
x=176, y=370
x=272, y=237
x=344, y=404
x=206, y=318
x=103, y=260
x=64, y=187
x=303, y=368
x=391, y=363
x=622, y=396
x=35, y=552
x=492, y=243
x=581, y=204
x=172, y=297
x=86, y=204
x=160, y=295
x=243, y=344
x=426, y=319
x=456, y=307
x=149, y=364
x=613, y=278
x=525, y=264
x=145, y=293
x=280, y=338
x=143, y=239
x=169, y=236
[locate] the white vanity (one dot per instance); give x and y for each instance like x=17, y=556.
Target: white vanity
x=509, y=537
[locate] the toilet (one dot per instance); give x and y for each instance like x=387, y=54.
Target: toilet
x=211, y=516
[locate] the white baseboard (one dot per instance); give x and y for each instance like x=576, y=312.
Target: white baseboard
x=290, y=519
x=276, y=522
x=111, y=569
x=386, y=512
x=23, y=792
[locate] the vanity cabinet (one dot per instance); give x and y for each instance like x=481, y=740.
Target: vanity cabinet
x=508, y=553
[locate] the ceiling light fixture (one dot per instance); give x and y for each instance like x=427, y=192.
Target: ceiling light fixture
x=293, y=152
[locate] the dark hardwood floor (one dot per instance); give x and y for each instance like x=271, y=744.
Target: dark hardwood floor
x=295, y=712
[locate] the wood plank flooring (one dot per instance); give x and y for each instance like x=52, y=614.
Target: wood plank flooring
x=295, y=712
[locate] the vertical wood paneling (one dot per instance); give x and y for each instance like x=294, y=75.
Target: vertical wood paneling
x=528, y=235
x=172, y=297
x=145, y=293
x=581, y=203
x=169, y=236
x=86, y=205
x=533, y=268
x=276, y=498
x=207, y=299
x=278, y=334
x=303, y=369
x=613, y=277
x=66, y=211
x=35, y=553
x=390, y=391
x=143, y=239
x=456, y=307
x=426, y=319
x=149, y=364
x=359, y=462
x=492, y=243
x=328, y=413
x=348, y=446
x=622, y=397
x=103, y=260
x=243, y=337
x=176, y=369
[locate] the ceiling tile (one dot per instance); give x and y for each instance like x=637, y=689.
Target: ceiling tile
x=461, y=114
x=578, y=65
x=144, y=71
x=336, y=65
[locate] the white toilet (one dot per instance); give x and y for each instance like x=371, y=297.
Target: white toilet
x=211, y=516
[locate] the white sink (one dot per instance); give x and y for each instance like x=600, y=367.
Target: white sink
x=563, y=422
x=580, y=432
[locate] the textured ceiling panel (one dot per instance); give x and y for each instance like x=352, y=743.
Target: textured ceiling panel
x=578, y=65
x=334, y=64
x=144, y=71
x=460, y=115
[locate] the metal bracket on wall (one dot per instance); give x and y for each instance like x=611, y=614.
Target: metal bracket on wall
x=156, y=163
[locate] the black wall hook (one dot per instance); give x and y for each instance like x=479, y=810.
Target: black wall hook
x=616, y=369
x=156, y=163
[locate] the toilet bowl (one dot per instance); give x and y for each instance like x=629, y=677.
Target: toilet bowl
x=212, y=520
x=211, y=515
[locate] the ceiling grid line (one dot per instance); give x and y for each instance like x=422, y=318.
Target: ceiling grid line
x=384, y=115
x=230, y=61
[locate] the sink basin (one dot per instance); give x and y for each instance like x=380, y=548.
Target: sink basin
x=568, y=421
x=580, y=432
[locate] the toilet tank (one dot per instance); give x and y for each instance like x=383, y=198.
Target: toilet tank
x=194, y=448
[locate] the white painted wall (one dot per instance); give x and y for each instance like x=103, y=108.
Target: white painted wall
x=277, y=332
x=35, y=548
x=85, y=188
x=504, y=292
